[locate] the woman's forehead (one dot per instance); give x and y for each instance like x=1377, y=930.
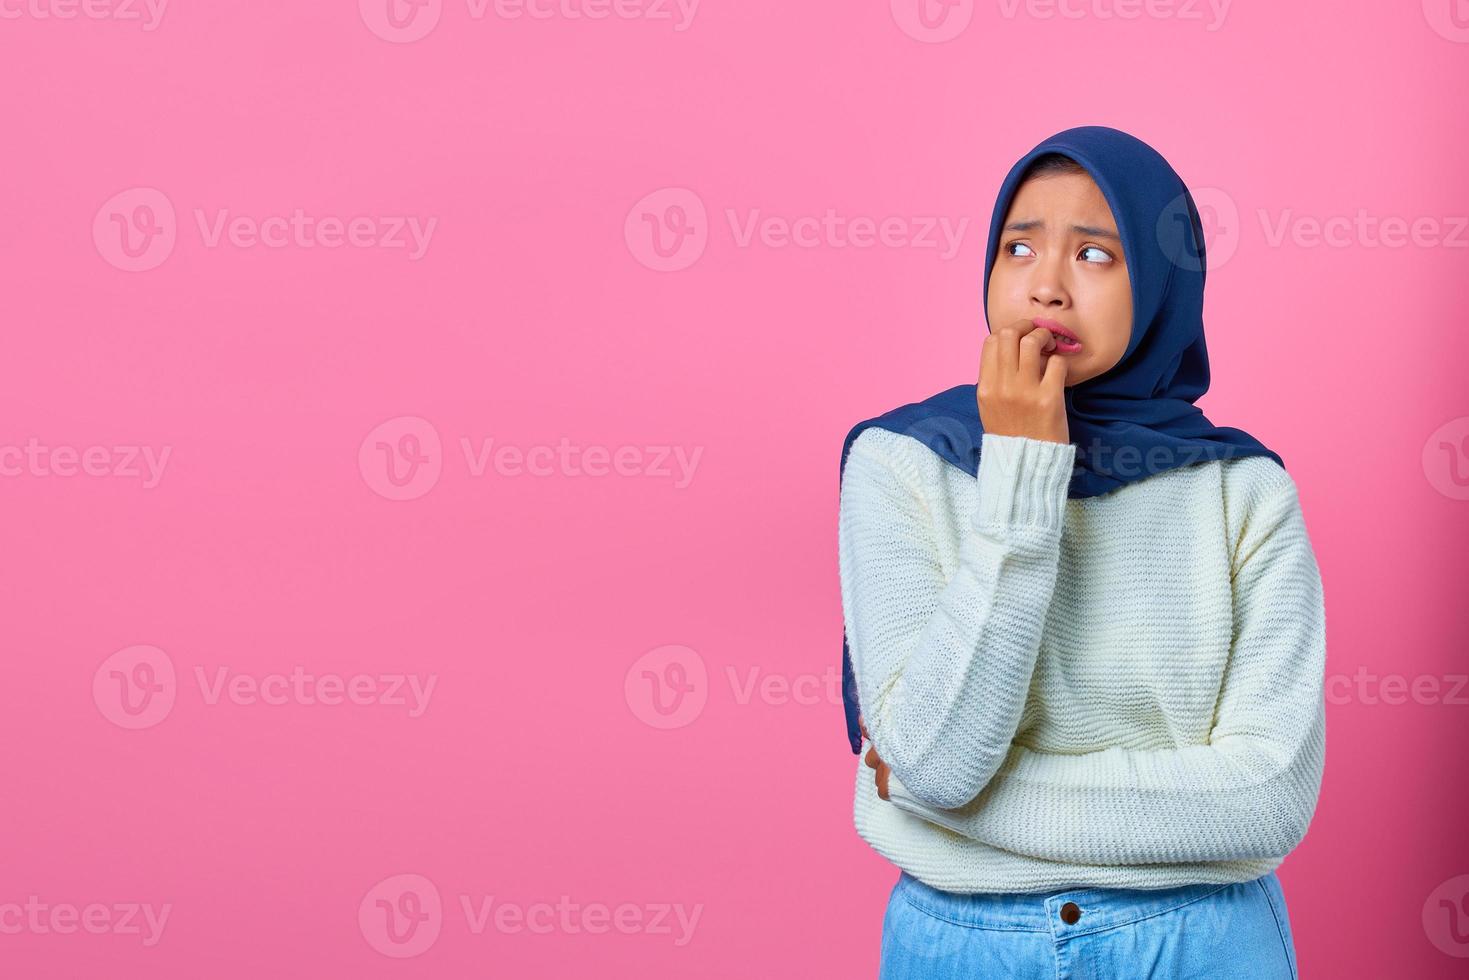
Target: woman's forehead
x=1070, y=195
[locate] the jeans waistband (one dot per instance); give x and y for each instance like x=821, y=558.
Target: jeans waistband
x=1099, y=908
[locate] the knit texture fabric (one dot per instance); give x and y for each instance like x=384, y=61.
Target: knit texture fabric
x=1123, y=690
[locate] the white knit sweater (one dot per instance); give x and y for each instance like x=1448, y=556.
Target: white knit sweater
x=1121, y=690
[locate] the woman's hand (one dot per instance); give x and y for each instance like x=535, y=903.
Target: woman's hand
x=1022, y=385
x=875, y=763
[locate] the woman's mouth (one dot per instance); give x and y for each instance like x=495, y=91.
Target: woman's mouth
x=1066, y=341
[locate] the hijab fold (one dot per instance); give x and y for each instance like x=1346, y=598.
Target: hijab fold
x=1137, y=419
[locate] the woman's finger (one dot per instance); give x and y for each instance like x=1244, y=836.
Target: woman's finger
x=987, y=358
x=1009, y=350
x=1032, y=349
x=1055, y=375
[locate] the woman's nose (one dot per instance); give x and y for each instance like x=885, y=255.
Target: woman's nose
x=1047, y=284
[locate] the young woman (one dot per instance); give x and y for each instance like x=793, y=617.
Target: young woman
x=1085, y=627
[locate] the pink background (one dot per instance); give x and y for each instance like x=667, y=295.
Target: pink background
x=542, y=766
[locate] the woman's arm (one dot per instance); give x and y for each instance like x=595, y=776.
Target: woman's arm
x=1249, y=793
x=943, y=666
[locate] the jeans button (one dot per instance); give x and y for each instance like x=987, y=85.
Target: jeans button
x=1070, y=912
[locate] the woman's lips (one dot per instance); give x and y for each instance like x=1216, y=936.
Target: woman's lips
x=1066, y=341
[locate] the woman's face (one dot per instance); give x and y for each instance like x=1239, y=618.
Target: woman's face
x=1060, y=258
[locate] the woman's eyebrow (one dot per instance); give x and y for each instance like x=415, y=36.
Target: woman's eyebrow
x=1079, y=229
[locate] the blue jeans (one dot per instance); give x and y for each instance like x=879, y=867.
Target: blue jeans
x=1195, y=931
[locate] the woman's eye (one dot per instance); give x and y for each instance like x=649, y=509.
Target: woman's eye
x=1016, y=245
x=1092, y=248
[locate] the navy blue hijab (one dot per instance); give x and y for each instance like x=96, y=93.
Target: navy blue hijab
x=1137, y=419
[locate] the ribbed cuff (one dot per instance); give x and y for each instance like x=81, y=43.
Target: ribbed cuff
x=1023, y=482
x=900, y=797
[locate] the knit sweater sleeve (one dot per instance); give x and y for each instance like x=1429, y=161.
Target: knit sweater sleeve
x=943, y=661
x=1250, y=792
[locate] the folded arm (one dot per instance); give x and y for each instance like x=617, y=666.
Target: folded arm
x=943, y=665
x=1249, y=793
